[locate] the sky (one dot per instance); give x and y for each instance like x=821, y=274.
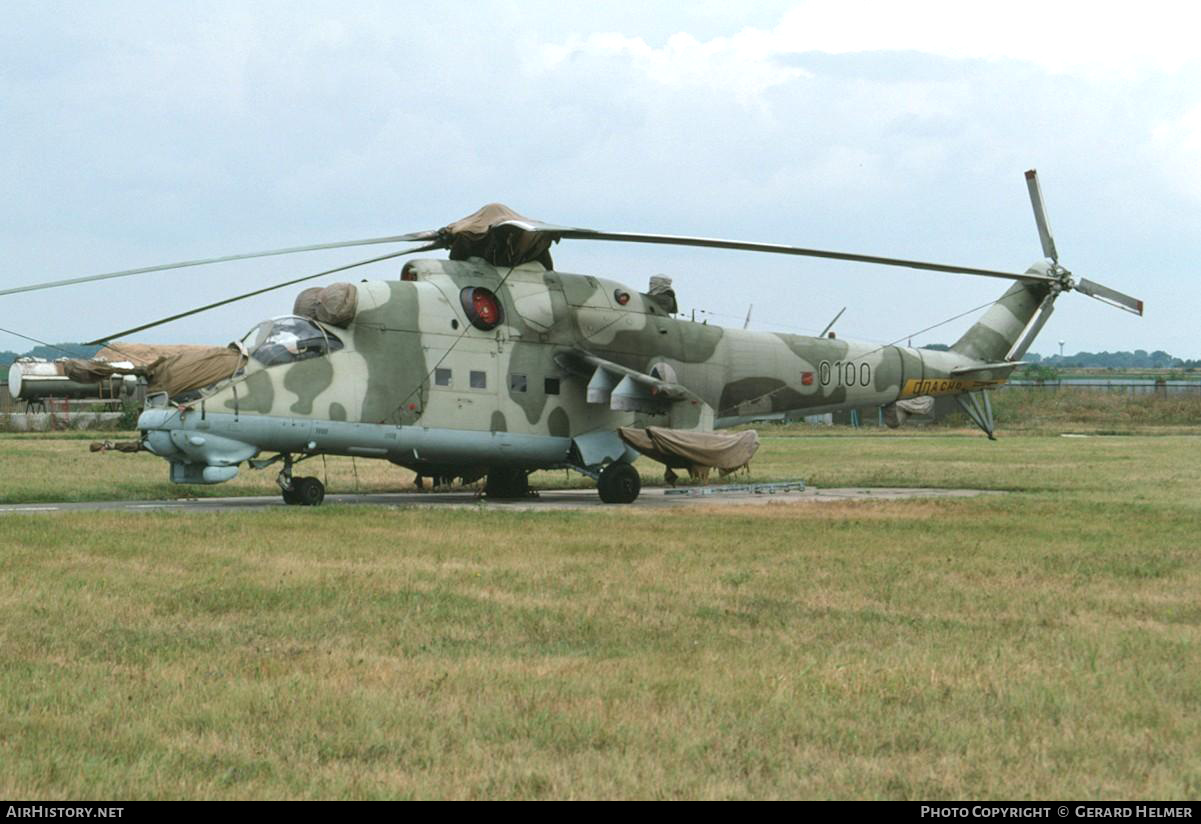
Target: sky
x=135, y=133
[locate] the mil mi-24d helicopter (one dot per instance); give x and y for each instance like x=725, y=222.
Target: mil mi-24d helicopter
x=493, y=363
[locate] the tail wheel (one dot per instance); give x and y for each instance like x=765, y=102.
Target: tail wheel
x=619, y=483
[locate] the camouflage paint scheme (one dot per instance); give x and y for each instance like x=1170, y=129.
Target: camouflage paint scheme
x=377, y=395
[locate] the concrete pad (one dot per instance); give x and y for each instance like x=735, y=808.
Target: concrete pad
x=547, y=500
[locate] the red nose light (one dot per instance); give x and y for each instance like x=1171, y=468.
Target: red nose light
x=621, y=297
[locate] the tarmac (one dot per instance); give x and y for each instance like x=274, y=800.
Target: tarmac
x=546, y=500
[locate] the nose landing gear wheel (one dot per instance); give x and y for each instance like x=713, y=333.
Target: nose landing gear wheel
x=619, y=484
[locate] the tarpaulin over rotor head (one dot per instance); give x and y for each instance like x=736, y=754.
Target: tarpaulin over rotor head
x=478, y=235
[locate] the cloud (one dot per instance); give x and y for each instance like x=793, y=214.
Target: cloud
x=879, y=127
x=741, y=65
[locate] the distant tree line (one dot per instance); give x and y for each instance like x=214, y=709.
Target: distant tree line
x=58, y=350
x=1138, y=359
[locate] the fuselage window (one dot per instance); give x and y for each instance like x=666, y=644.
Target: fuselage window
x=291, y=339
x=442, y=377
x=479, y=380
x=517, y=383
x=551, y=386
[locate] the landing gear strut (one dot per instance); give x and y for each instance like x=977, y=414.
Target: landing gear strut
x=619, y=483
x=299, y=491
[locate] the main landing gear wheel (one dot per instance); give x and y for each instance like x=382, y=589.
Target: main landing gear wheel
x=507, y=483
x=305, y=492
x=619, y=483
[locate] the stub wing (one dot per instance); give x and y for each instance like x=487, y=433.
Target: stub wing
x=623, y=389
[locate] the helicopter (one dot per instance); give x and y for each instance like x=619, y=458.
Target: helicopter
x=493, y=364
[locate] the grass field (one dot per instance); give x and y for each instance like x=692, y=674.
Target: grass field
x=1037, y=644
x=59, y=467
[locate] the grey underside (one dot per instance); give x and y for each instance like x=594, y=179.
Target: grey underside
x=205, y=450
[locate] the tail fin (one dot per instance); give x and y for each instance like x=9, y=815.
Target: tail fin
x=1009, y=326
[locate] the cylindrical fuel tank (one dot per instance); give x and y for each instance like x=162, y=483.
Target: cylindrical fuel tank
x=30, y=380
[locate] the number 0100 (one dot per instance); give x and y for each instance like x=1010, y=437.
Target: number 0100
x=844, y=373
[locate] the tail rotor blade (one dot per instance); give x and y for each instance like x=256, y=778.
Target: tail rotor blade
x=1040, y=216
x=1036, y=324
x=1111, y=296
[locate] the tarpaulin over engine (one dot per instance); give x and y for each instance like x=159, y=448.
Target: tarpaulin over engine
x=685, y=449
x=477, y=235
x=334, y=305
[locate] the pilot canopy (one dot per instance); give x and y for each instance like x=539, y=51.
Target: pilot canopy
x=290, y=339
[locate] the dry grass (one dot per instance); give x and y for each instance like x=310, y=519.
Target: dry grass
x=1030, y=645
x=1078, y=410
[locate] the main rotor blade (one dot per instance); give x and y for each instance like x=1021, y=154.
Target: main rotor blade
x=237, y=298
x=1040, y=215
x=564, y=232
x=342, y=244
x=1111, y=296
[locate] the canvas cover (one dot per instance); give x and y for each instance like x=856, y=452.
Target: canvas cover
x=144, y=354
x=681, y=448
x=194, y=370
x=660, y=292
x=334, y=305
x=190, y=367
x=897, y=412
x=82, y=370
x=473, y=236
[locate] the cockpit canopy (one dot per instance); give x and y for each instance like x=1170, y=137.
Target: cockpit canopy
x=289, y=339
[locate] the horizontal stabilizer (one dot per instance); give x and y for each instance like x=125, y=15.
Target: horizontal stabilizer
x=986, y=371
